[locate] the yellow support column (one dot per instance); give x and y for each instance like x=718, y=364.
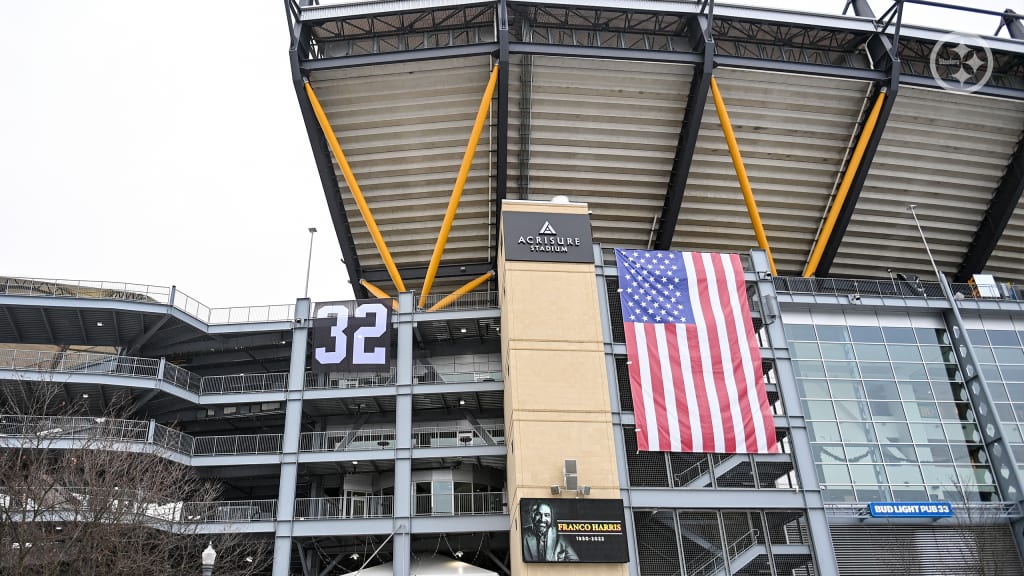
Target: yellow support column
x=353, y=186
x=469, y=287
x=460, y=183
x=376, y=291
x=741, y=173
x=844, y=188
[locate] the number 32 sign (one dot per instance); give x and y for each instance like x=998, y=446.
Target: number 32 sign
x=352, y=336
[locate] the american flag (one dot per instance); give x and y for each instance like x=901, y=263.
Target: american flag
x=694, y=363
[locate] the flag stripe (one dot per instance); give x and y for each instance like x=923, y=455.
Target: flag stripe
x=695, y=367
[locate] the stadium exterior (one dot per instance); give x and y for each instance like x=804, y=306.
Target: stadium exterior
x=886, y=385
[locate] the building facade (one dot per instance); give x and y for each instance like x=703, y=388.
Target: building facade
x=507, y=384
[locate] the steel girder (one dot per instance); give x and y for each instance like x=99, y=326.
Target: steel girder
x=882, y=51
x=687, y=138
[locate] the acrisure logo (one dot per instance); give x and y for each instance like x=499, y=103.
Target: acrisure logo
x=547, y=228
x=961, y=62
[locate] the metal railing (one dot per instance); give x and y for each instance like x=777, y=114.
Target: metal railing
x=73, y=428
x=57, y=288
x=78, y=362
x=868, y=287
x=232, y=445
x=342, y=440
x=344, y=507
x=741, y=545
x=229, y=511
x=93, y=363
x=351, y=379
x=471, y=301
x=450, y=436
x=459, y=504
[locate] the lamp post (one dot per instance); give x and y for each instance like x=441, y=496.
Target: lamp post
x=209, y=556
x=309, y=261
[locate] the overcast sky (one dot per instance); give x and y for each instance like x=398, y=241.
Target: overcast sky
x=161, y=143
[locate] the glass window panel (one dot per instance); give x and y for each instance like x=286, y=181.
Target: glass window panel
x=828, y=333
x=915, y=390
x=871, y=351
x=813, y=388
x=876, y=370
x=847, y=389
x=939, y=474
x=1013, y=373
x=984, y=354
x=946, y=390
x=904, y=474
x=1015, y=390
x=963, y=452
x=873, y=494
x=1005, y=412
x=909, y=371
x=834, y=474
x=925, y=433
x=932, y=335
x=824, y=431
x=820, y=410
x=904, y=353
x=805, y=349
x=899, y=335
x=837, y=351
x=942, y=371
x=962, y=432
x=887, y=411
x=922, y=411
x=978, y=336
x=909, y=493
x=934, y=453
x=868, y=473
x=991, y=372
x=808, y=369
x=1010, y=355
x=828, y=453
x=839, y=494
x=1013, y=434
x=1018, y=410
x=892, y=432
x=851, y=410
x=800, y=332
x=948, y=411
x=934, y=353
x=997, y=391
x=1018, y=453
x=898, y=453
x=857, y=431
x=881, y=390
x=863, y=454
x=1002, y=338
x=841, y=369
x=866, y=333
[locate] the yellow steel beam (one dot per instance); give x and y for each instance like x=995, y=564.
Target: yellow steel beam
x=469, y=287
x=376, y=291
x=741, y=173
x=353, y=186
x=844, y=188
x=460, y=183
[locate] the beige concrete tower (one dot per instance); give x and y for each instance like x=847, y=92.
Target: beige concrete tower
x=556, y=384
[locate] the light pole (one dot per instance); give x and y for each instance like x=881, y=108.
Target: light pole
x=309, y=261
x=209, y=556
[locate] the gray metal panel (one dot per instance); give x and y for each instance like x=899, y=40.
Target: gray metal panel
x=946, y=152
x=793, y=132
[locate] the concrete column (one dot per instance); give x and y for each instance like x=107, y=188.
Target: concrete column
x=290, y=440
x=557, y=403
x=401, y=544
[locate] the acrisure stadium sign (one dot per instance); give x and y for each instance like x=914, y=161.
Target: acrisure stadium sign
x=547, y=237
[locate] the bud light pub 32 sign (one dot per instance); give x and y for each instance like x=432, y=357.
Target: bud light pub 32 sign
x=353, y=336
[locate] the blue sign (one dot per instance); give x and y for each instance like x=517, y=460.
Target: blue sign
x=910, y=509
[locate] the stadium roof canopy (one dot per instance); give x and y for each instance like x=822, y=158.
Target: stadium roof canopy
x=607, y=102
